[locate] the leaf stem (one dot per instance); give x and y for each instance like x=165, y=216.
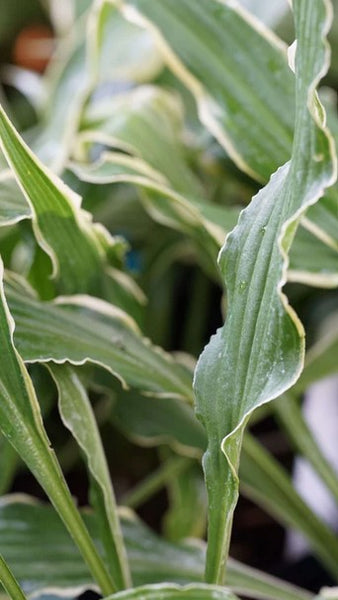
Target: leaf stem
x=51, y=478
x=221, y=463
x=9, y=582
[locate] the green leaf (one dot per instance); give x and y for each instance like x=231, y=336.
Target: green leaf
x=259, y=352
x=21, y=424
x=13, y=206
x=165, y=591
x=81, y=328
x=62, y=229
x=77, y=415
x=101, y=46
x=9, y=582
x=241, y=81
x=148, y=425
x=152, y=421
x=265, y=482
x=314, y=252
x=289, y=413
x=204, y=223
x=321, y=358
x=244, y=90
x=145, y=112
x=24, y=522
x=186, y=515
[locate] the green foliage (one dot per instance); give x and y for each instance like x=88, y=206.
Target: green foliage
x=156, y=126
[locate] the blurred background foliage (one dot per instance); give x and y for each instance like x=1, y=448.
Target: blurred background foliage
x=44, y=75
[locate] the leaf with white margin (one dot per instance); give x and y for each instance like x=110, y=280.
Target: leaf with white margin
x=78, y=416
x=244, y=90
x=101, y=46
x=149, y=113
x=24, y=521
x=259, y=352
x=314, y=252
x=240, y=80
x=62, y=229
x=77, y=248
x=84, y=329
x=167, y=591
x=21, y=423
x=203, y=222
x=117, y=49
x=270, y=12
x=173, y=423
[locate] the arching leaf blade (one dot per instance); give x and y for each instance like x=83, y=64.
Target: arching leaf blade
x=259, y=352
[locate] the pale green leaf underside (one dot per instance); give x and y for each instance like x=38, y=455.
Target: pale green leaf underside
x=59, y=565
x=53, y=332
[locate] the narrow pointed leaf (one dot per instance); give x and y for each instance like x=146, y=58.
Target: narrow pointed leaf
x=77, y=414
x=9, y=582
x=21, y=424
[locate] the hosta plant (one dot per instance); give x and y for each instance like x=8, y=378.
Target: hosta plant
x=167, y=133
